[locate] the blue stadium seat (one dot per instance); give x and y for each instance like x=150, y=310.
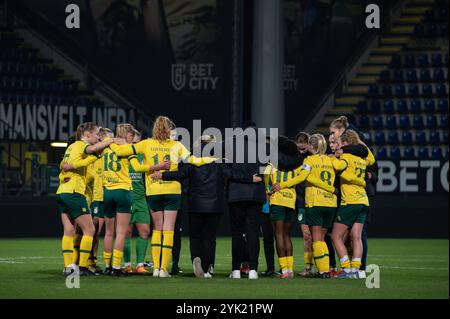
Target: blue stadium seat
x=382, y=153
x=420, y=137
x=409, y=152
x=445, y=137
x=400, y=90
x=404, y=122
x=417, y=122
x=424, y=152
x=54, y=99
x=416, y=106
x=434, y=138
x=443, y=29
x=436, y=153
x=419, y=30
x=391, y=122
x=446, y=156
x=393, y=138
x=406, y=138
x=373, y=90
x=431, y=121
x=430, y=106
x=441, y=90
x=422, y=60
x=362, y=107
x=385, y=76
x=374, y=107
x=425, y=75
x=395, y=152
x=386, y=91
x=38, y=99
x=21, y=99
x=364, y=122
x=377, y=122
x=396, y=61
x=432, y=29
x=411, y=75
x=438, y=75
x=368, y=138
x=380, y=138
x=413, y=90
x=444, y=121
x=402, y=106
x=398, y=76
x=427, y=89
x=410, y=61
x=446, y=59
x=388, y=107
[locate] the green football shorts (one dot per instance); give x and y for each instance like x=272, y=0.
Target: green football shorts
x=320, y=216
x=140, y=213
x=351, y=214
x=116, y=201
x=281, y=213
x=158, y=203
x=74, y=204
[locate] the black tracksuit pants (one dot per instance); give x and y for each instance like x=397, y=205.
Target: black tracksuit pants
x=202, y=236
x=245, y=219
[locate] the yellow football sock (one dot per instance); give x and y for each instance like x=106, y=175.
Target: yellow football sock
x=290, y=263
x=308, y=259
x=156, y=248
x=167, y=249
x=356, y=264
x=91, y=261
x=117, y=259
x=85, y=250
x=283, y=263
x=345, y=262
x=76, y=248
x=107, y=259
x=321, y=257
x=67, y=250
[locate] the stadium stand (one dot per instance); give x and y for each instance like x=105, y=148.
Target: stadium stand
x=28, y=78
x=400, y=95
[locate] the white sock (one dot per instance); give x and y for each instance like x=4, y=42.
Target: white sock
x=344, y=259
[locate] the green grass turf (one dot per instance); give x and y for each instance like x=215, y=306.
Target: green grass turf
x=409, y=268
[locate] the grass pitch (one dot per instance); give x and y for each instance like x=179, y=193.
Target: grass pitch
x=409, y=268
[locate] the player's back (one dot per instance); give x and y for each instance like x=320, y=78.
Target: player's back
x=350, y=192
x=73, y=180
x=115, y=171
x=321, y=167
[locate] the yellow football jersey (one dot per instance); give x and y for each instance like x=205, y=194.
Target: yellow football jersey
x=286, y=196
x=352, y=184
x=74, y=181
x=321, y=167
x=116, y=172
x=90, y=177
x=97, y=168
x=155, y=152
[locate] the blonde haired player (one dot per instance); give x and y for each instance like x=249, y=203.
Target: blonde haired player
x=321, y=202
x=354, y=206
x=117, y=199
x=282, y=207
x=95, y=171
x=163, y=197
x=71, y=195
